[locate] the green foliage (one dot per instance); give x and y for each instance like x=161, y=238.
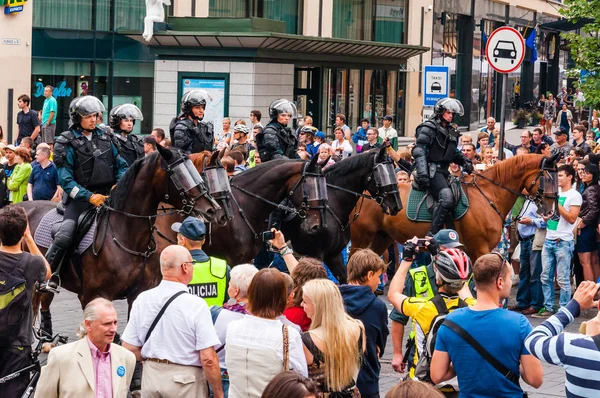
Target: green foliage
x=585, y=47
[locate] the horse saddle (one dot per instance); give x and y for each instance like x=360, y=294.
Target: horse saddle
x=51, y=221
x=421, y=204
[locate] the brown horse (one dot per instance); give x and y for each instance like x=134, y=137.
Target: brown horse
x=124, y=238
x=479, y=229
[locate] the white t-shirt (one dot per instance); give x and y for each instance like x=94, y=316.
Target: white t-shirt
x=346, y=148
x=563, y=229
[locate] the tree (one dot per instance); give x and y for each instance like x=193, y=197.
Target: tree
x=585, y=47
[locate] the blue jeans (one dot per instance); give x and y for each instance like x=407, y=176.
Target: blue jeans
x=529, y=292
x=556, y=256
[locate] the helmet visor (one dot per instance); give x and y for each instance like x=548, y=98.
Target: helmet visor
x=186, y=177
x=314, y=188
x=286, y=107
x=453, y=105
x=217, y=180
x=87, y=105
x=128, y=111
x=197, y=97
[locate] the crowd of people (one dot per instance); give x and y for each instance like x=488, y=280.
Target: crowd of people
x=246, y=332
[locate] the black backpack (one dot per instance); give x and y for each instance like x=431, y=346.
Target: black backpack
x=424, y=361
x=13, y=303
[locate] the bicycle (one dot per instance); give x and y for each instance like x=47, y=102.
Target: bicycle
x=35, y=368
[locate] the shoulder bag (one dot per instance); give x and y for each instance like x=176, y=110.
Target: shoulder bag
x=161, y=312
x=286, y=348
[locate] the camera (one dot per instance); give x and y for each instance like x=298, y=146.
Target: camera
x=267, y=236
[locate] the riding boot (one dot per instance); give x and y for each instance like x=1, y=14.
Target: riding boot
x=438, y=219
x=46, y=322
x=61, y=245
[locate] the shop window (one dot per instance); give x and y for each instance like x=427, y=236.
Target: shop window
x=228, y=9
x=368, y=96
x=129, y=14
x=350, y=18
x=389, y=21
x=354, y=113
x=285, y=11
x=64, y=14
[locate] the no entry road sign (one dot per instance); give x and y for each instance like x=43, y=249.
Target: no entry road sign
x=505, y=49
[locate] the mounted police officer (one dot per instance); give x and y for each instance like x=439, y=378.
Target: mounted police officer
x=121, y=120
x=88, y=164
x=435, y=149
x=190, y=133
x=277, y=140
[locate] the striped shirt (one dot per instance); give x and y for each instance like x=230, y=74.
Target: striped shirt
x=576, y=353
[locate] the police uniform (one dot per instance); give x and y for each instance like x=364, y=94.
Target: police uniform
x=131, y=147
x=191, y=137
x=276, y=142
x=210, y=278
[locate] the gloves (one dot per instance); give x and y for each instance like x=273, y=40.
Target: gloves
x=409, y=252
x=468, y=167
x=433, y=247
x=97, y=199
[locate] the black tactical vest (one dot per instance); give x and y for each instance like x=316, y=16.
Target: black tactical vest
x=94, y=161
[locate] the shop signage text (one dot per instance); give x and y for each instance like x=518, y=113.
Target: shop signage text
x=12, y=6
x=61, y=91
x=390, y=12
x=11, y=42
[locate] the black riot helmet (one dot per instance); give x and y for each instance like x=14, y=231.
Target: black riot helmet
x=280, y=106
x=84, y=106
x=194, y=98
x=448, y=104
x=121, y=112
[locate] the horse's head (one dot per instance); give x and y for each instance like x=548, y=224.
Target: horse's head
x=382, y=185
x=308, y=194
x=217, y=181
x=184, y=187
x=546, y=194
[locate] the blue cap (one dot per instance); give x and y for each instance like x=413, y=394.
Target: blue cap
x=192, y=228
x=448, y=238
x=320, y=135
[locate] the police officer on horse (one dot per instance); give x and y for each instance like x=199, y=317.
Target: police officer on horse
x=121, y=120
x=190, y=133
x=435, y=149
x=277, y=140
x=88, y=164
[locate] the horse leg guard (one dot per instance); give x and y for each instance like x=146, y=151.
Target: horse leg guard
x=46, y=322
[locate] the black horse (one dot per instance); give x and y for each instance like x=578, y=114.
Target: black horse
x=346, y=182
x=124, y=234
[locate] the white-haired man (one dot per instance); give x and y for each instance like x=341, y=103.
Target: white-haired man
x=93, y=366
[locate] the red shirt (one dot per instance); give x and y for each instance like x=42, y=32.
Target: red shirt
x=298, y=316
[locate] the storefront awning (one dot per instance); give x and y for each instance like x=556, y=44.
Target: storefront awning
x=279, y=45
x=565, y=25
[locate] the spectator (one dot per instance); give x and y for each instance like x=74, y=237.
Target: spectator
x=7, y=171
x=487, y=153
x=586, y=228
x=558, y=246
x=387, y=131
x=483, y=140
x=229, y=165
x=2, y=139
x=340, y=121
x=579, y=140
x=320, y=137
x=49, y=111
x=225, y=135
x=305, y=270
x=525, y=138
x=255, y=116
x=43, y=181
x=522, y=151
x=238, y=159
x=15, y=347
x=210, y=278
x=159, y=135
x=502, y=333
x=28, y=124
x=360, y=137
x=530, y=298
x=490, y=129
x=372, y=140
x=564, y=119
x=402, y=177
x=562, y=97
x=335, y=342
x=413, y=389
x=241, y=276
x=307, y=121
x=562, y=143
x=577, y=353
x=259, y=346
x=595, y=128
x=326, y=156
x=469, y=151
x=549, y=113
x=364, y=270
x=167, y=143
x=290, y=385
x=257, y=159
x=17, y=182
x=66, y=373
x=240, y=136
x=537, y=138
x=181, y=347
x=340, y=146
x=465, y=139
x=308, y=132
x=149, y=145
x=544, y=149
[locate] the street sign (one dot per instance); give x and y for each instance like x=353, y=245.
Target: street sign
x=11, y=42
x=505, y=49
x=436, y=84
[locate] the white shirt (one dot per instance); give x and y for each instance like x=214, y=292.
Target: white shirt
x=260, y=333
x=390, y=133
x=346, y=148
x=185, y=328
x=563, y=229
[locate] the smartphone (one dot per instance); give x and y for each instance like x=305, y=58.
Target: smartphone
x=267, y=236
x=597, y=295
x=421, y=242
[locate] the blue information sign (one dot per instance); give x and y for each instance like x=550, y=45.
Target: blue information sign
x=436, y=84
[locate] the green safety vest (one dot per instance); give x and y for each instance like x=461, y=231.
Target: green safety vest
x=251, y=162
x=420, y=279
x=209, y=281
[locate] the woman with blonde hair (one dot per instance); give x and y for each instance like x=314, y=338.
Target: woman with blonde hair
x=335, y=341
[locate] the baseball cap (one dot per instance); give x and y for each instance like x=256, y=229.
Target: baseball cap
x=11, y=147
x=320, y=135
x=192, y=228
x=448, y=238
x=149, y=140
x=388, y=117
x=562, y=130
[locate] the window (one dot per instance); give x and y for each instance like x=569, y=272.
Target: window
x=285, y=11
x=389, y=21
x=349, y=19
x=228, y=9
x=64, y=14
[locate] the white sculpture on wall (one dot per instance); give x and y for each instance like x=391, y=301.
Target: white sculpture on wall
x=155, y=12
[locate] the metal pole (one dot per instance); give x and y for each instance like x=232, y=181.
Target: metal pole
x=502, y=117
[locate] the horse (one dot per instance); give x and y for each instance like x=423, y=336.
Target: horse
x=492, y=194
x=112, y=268
x=346, y=182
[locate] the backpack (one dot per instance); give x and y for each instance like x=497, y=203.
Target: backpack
x=424, y=361
x=13, y=304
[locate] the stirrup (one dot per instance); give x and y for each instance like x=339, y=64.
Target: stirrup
x=49, y=286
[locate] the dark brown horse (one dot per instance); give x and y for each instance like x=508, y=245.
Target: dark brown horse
x=124, y=237
x=479, y=229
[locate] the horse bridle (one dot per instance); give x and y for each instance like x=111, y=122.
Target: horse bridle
x=222, y=194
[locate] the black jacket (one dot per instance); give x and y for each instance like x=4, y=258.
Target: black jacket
x=276, y=142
